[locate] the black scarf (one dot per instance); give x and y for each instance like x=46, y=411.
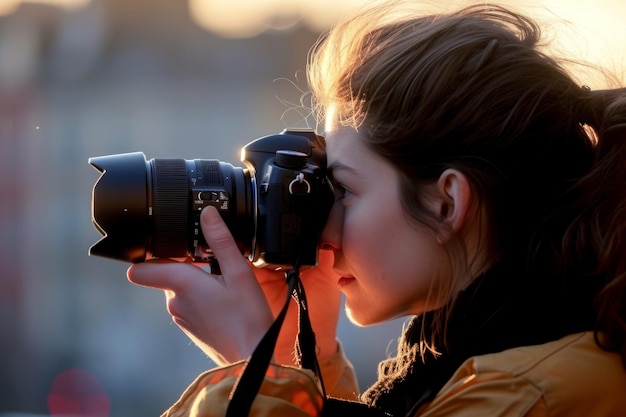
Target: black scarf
x=501, y=309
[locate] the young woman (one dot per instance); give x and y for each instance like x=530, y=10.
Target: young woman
x=479, y=189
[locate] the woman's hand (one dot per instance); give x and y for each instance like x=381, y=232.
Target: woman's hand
x=323, y=299
x=225, y=315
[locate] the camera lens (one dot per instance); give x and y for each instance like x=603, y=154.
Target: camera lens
x=275, y=208
x=152, y=208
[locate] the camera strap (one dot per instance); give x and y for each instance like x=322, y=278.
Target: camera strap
x=250, y=380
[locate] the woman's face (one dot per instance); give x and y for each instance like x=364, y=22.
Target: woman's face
x=387, y=263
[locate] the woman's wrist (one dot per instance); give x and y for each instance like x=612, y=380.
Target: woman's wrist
x=327, y=348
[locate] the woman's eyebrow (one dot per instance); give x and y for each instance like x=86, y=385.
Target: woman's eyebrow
x=340, y=166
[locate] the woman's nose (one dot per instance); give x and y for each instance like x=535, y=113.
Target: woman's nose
x=331, y=234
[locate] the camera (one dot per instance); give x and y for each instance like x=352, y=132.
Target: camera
x=275, y=207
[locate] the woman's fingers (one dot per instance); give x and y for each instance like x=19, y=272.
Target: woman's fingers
x=222, y=243
x=164, y=274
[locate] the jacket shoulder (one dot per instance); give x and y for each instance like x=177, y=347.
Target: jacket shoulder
x=568, y=377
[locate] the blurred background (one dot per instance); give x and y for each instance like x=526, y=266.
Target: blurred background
x=187, y=79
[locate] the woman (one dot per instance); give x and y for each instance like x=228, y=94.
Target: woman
x=479, y=189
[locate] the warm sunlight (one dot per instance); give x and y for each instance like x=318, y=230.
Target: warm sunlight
x=588, y=30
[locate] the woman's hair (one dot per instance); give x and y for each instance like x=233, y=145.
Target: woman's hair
x=471, y=90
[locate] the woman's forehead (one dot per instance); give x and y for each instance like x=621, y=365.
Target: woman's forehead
x=346, y=145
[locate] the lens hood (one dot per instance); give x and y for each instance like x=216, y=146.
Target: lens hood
x=119, y=206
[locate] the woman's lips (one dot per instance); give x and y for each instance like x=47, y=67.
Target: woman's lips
x=343, y=281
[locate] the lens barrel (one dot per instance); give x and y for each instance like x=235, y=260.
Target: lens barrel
x=147, y=209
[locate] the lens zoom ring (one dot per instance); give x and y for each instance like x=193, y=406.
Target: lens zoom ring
x=170, y=211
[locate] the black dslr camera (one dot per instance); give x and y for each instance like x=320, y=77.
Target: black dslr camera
x=275, y=208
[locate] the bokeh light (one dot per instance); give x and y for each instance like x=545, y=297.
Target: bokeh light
x=76, y=392
x=246, y=18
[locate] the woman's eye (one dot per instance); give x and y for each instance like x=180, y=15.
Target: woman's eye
x=340, y=192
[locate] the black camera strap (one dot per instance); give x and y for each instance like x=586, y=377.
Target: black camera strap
x=249, y=382
x=305, y=343
x=306, y=353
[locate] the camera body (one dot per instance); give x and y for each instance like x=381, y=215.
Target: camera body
x=275, y=207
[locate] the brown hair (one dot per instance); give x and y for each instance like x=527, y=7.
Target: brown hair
x=471, y=90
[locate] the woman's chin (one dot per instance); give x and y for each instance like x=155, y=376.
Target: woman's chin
x=360, y=318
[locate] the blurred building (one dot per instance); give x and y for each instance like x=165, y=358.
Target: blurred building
x=110, y=77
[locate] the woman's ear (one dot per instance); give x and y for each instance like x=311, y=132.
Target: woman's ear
x=454, y=201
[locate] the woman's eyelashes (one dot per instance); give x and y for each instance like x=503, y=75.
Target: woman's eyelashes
x=341, y=192
x=338, y=178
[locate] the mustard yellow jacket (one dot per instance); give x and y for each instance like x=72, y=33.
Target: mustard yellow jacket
x=571, y=377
